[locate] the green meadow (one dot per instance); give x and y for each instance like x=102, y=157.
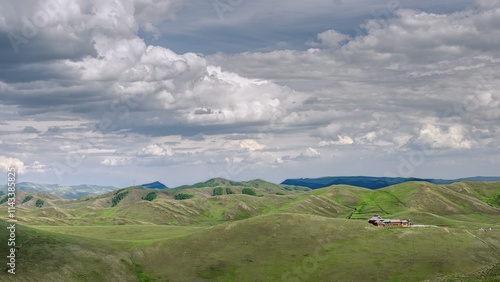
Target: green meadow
x=280, y=234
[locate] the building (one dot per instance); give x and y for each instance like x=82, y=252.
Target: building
x=379, y=221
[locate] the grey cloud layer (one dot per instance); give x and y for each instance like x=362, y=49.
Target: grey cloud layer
x=86, y=91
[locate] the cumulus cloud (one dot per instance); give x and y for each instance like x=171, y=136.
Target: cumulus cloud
x=117, y=161
x=454, y=137
x=341, y=140
x=156, y=150
x=251, y=145
x=37, y=167
x=439, y=49
x=330, y=39
x=7, y=163
x=307, y=154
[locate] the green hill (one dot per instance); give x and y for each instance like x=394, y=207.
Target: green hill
x=422, y=202
x=296, y=235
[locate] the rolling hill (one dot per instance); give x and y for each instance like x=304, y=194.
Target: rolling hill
x=274, y=247
x=422, y=202
x=283, y=233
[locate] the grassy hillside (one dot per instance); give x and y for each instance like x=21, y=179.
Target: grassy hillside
x=427, y=203
x=314, y=235
x=422, y=202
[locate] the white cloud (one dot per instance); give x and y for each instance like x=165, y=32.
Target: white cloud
x=342, y=140
x=451, y=138
x=37, y=167
x=251, y=145
x=116, y=161
x=6, y=163
x=307, y=154
x=156, y=150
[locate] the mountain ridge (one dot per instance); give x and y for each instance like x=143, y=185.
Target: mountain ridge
x=373, y=182
x=154, y=185
x=64, y=191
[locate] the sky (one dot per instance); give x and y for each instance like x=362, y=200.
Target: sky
x=181, y=91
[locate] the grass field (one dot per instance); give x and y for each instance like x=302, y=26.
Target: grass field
x=294, y=237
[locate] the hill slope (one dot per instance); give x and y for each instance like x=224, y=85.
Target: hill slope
x=124, y=235
x=425, y=203
x=274, y=247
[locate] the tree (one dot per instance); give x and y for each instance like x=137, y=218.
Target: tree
x=39, y=203
x=150, y=196
x=249, y=191
x=5, y=199
x=217, y=191
x=26, y=199
x=229, y=191
x=183, y=196
x=118, y=197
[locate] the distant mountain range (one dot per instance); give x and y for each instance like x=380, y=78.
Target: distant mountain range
x=68, y=192
x=374, y=182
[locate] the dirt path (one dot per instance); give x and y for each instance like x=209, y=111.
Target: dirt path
x=486, y=243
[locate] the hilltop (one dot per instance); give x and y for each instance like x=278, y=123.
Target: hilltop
x=154, y=185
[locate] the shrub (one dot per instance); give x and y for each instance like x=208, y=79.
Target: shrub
x=39, y=203
x=217, y=191
x=118, y=197
x=249, y=191
x=229, y=191
x=27, y=198
x=183, y=196
x=150, y=196
x=120, y=190
x=5, y=199
x=494, y=201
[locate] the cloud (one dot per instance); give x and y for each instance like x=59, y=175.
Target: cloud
x=6, y=163
x=37, y=167
x=398, y=74
x=30, y=129
x=307, y=154
x=118, y=161
x=251, y=145
x=330, y=39
x=342, y=140
x=90, y=79
x=451, y=138
x=122, y=76
x=155, y=150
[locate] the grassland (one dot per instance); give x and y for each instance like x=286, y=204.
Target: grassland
x=298, y=236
